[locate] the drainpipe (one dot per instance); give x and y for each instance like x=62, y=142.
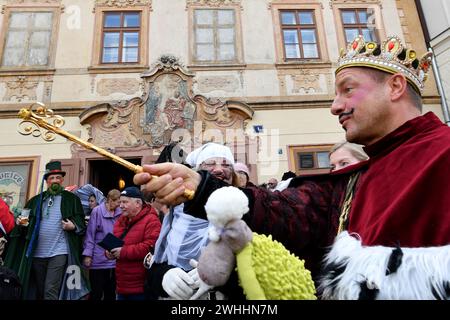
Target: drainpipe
x=437, y=75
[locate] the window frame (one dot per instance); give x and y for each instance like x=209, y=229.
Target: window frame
x=215, y=28
x=339, y=5
x=121, y=30
x=358, y=25
x=55, y=9
x=238, y=47
x=298, y=26
x=97, y=64
x=294, y=158
x=290, y=5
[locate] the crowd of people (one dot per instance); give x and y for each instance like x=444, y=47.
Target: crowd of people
x=372, y=228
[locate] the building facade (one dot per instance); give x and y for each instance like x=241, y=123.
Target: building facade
x=131, y=75
x=436, y=24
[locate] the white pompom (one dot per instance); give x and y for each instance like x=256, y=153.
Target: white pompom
x=226, y=204
x=213, y=234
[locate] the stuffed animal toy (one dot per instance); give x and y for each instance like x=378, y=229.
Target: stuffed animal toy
x=266, y=269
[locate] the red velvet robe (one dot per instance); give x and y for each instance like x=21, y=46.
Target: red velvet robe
x=403, y=193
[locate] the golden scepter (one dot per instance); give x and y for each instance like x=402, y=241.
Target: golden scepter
x=33, y=122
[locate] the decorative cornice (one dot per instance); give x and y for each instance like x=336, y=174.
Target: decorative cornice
x=166, y=63
x=212, y=3
x=12, y=2
x=123, y=3
x=333, y=2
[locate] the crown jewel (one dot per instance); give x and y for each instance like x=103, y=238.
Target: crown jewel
x=390, y=57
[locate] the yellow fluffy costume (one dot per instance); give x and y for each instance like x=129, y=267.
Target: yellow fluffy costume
x=266, y=269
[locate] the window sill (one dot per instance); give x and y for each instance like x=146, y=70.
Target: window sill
x=303, y=63
x=217, y=66
x=26, y=71
x=118, y=68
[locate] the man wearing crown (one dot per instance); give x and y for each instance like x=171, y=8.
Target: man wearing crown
x=45, y=248
x=380, y=229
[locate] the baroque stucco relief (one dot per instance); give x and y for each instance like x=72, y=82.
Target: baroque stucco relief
x=211, y=83
x=32, y=1
x=305, y=81
x=166, y=108
x=27, y=88
x=123, y=3
x=212, y=3
x=106, y=87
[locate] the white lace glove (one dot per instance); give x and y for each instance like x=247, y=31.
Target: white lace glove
x=202, y=286
x=177, y=283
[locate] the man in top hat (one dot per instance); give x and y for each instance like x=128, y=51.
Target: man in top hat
x=50, y=240
x=138, y=227
x=367, y=209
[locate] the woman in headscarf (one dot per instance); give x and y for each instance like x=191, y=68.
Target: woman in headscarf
x=183, y=236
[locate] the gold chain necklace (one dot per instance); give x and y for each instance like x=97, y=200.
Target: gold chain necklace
x=50, y=202
x=347, y=201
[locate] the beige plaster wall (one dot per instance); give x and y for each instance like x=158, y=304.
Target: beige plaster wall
x=96, y=87
x=291, y=127
x=168, y=30
x=256, y=26
x=17, y=145
x=74, y=48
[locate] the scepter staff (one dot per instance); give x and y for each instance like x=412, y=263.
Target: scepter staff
x=33, y=121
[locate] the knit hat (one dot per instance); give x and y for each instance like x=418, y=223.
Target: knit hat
x=207, y=151
x=132, y=192
x=53, y=167
x=239, y=166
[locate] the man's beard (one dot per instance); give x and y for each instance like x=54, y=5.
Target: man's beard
x=55, y=189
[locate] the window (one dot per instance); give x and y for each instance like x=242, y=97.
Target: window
x=120, y=37
x=299, y=31
x=214, y=35
x=356, y=22
x=299, y=34
x=306, y=160
x=313, y=160
x=28, y=40
x=353, y=17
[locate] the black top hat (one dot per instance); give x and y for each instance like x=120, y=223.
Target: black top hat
x=53, y=167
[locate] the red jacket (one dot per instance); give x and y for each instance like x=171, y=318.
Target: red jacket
x=6, y=217
x=143, y=231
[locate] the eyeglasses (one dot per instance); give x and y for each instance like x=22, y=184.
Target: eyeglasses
x=212, y=165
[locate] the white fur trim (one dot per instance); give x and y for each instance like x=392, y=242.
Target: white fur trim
x=421, y=270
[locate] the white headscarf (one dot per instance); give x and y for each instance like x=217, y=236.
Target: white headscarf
x=207, y=151
x=183, y=236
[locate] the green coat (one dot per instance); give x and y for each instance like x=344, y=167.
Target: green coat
x=20, y=236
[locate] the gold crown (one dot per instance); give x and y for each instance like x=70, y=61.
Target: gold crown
x=391, y=57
